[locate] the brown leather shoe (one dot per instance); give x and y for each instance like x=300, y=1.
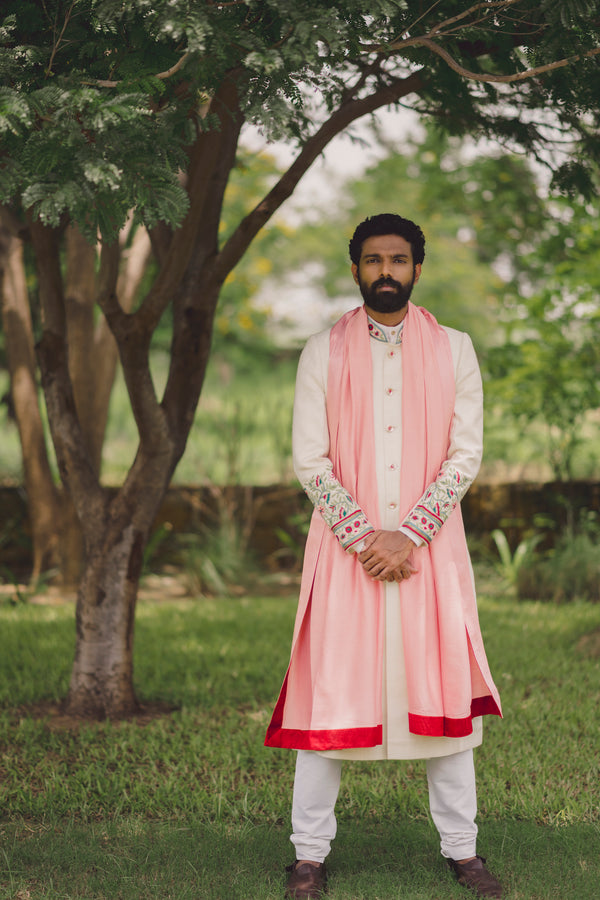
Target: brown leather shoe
x=306, y=881
x=474, y=875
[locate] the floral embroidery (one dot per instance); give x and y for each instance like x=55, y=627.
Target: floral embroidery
x=385, y=335
x=339, y=510
x=427, y=517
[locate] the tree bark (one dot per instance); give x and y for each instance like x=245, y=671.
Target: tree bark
x=134, y=262
x=55, y=529
x=101, y=682
x=116, y=535
x=43, y=501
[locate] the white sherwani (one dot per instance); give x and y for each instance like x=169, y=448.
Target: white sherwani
x=312, y=466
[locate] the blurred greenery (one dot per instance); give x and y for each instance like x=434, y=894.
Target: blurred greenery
x=517, y=268
x=568, y=570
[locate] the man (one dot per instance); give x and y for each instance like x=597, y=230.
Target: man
x=387, y=658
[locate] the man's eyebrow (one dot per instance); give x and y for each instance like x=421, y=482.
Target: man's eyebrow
x=401, y=255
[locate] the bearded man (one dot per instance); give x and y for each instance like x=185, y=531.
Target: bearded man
x=387, y=658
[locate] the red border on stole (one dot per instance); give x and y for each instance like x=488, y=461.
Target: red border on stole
x=318, y=739
x=442, y=726
x=334, y=739
x=370, y=736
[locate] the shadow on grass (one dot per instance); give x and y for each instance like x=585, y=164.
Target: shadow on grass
x=135, y=860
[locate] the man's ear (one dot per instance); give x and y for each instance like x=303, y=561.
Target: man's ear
x=354, y=269
x=417, y=272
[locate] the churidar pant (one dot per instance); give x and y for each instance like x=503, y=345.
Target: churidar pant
x=452, y=802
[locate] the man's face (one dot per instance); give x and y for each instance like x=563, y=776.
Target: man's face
x=386, y=273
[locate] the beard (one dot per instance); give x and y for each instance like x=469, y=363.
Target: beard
x=386, y=301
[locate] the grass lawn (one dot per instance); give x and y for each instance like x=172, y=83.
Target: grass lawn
x=191, y=805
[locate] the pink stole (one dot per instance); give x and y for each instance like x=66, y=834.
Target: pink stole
x=331, y=695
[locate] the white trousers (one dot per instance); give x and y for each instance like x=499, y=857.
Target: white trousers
x=452, y=802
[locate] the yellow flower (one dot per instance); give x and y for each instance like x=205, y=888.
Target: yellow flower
x=245, y=322
x=263, y=266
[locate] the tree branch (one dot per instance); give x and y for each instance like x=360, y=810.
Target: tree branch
x=349, y=112
x=133, y=341
x=204, y=161
x=174, y=69
x=104, y=83
x=110, y=257
x=59, y=39
x=500, y=79
x=74, y=464
x=42, y=495
x=440, y=30
x=498, y=5
x=195, y=303
x=14, y=224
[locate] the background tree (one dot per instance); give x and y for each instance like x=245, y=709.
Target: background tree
x=112, y=110
x=479, y=212
x=56, y=536
x=55, y=531
x=547, y=369
x=517, y=267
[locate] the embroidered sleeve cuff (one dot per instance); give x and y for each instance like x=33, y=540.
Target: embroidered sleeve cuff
x=339, y=510
x=429, y=514
x=416, y=538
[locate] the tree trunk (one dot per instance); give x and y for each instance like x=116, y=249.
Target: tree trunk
x=102, y=676
x=134, y=262
x=93, y=353
x=93, y=358
x=43, y=500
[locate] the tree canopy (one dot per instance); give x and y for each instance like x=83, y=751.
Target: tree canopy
x=102, y=100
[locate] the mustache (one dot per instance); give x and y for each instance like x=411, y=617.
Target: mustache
x=386, y=282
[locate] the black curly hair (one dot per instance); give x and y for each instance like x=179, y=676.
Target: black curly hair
x=388, y=223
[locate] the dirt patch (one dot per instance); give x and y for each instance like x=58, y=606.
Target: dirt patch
x=56, y=718
x=165, y=587
x=589, y=644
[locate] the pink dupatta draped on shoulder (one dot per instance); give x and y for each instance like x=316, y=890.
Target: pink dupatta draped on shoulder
x=331, y=695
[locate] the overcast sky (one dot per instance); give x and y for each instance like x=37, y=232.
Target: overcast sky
x=342, y=158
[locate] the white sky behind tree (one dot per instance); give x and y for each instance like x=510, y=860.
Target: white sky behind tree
x=300, y=310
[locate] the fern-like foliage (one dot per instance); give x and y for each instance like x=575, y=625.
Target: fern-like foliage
x=101, y=99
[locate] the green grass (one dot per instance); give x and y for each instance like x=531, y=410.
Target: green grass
x=192, y=805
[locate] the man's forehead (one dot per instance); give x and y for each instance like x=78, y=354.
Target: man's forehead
x=386, y=243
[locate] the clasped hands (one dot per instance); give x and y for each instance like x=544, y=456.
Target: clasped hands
x=387, y=556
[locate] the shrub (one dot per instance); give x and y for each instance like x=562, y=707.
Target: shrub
x=218, y=561
x=569, y=571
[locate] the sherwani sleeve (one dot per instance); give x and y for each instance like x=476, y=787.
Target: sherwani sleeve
x=459, y=469
x=310, y=449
